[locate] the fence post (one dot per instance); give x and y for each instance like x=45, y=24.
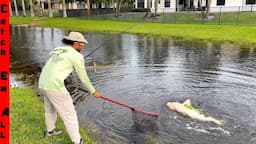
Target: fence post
x=175, y=17
x=152, y=18
x=202, y=17
x=134, y=17
x=220, y=17
x=163, y=16
x=188, y=12
x=238, y=16
x=125, y=13
x=104, y=14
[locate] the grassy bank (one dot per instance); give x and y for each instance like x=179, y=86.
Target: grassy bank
x=27, y=120
x=242, y=35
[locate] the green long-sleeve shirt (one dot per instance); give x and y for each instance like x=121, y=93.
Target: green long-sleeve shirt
x=62, y=61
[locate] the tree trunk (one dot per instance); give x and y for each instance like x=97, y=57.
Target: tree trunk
x=88, y=7
x=38, y=8
x=208, y=6
x=16, y=8
x=156, y=6
x=31, y=8
x=10, y=6
x=201, y=9
x=200, y=5
x=64, y=9
x=42, y=6
x=50, y=8
x=148, y=9
x=23, y=8
x=118, y=6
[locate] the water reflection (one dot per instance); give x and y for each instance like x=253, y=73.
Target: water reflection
x=147, y=72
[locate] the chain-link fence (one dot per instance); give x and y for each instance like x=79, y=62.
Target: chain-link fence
x=227, y=15
x=239, y=15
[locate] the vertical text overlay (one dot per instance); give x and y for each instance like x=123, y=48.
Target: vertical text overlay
x=4, y=71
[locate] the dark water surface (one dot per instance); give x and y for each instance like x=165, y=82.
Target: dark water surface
x=147, y=72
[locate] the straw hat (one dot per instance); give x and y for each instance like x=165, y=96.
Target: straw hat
x=76, y=36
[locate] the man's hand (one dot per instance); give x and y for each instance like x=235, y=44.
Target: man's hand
x=96, y=94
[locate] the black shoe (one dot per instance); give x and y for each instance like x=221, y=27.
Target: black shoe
x=52, y=133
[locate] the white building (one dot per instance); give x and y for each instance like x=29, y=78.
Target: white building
x=187, y=5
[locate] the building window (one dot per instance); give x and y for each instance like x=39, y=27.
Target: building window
x=140, y=3
x=167, y=3
x=249, y=2
x=220, y=2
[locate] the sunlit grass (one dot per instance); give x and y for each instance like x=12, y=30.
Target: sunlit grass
x=20, y=20
x=27, y=120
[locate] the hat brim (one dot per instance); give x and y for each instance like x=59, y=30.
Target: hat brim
x=71, y=39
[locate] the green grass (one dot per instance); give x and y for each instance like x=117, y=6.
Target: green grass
x=241, y=35
x=27, y=120
x=20, y=20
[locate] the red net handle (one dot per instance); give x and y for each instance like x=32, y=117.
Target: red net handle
x=127, y=106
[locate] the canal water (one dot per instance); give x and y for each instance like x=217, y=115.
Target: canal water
x=147, y=72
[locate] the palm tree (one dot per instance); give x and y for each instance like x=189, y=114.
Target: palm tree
x=208, y=6
x=156, y=6
x=148, y=12
x=23, y=8
x=41, y=4
x=16, y=8
x=50, y=8
x=31, y=8
x=200, y=4
x=88, y=7
x=118, y=6
x=64, y=9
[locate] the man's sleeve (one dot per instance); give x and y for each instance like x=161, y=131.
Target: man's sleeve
x=82, y=74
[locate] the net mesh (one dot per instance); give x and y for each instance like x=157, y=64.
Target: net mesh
x=144, y=122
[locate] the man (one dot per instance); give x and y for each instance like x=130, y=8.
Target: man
x=62, y=61
x=186, y=109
